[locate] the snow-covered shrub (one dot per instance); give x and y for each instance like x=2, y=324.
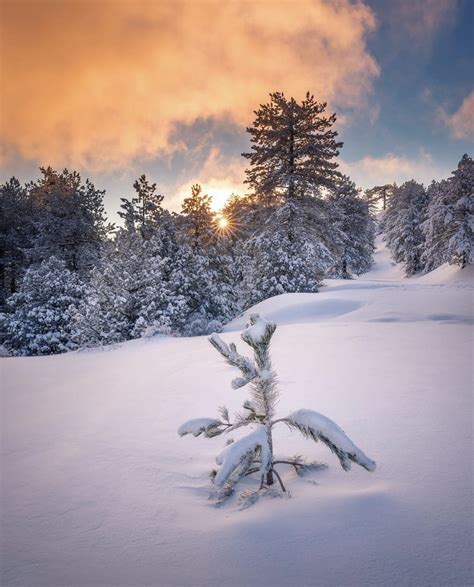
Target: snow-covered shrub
x=253, y=453
x=159, y=285
x=39, y=320
x=206, y=299
x=111, y=308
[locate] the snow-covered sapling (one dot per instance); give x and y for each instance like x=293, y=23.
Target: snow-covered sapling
x=254, y=452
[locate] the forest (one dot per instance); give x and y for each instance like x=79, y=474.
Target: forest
x=69, y=279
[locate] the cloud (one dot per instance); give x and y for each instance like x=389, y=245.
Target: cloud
x=461, y=123
x=98, y=85
x=389, y=168
x=422, y=20
x=220, y=177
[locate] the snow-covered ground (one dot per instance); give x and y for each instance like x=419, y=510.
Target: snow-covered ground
x=98, y=489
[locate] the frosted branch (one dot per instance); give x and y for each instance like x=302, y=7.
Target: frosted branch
x=233, y=358
x=241, y=450
x=208, y=426
x=317, y=427
x=259, y=332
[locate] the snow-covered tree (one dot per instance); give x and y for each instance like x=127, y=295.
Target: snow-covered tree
x=287, y=256
x=198, y=219
x=434, y=225
x=254, y=453
x=210, y=301
x=200, y=290
x=293, y=150
x=402, y=225
x=40, y=315
x=245, y=214
x=379, y=195
x=69, y=218
x=161, y=285
x=112, y=307
x=352, y=230
x=143, y=212
x=459, y=222
x=449, y=225
x=16, y=235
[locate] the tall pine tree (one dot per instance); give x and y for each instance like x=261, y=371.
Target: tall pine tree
x=402, y=225
x=449, y=226
x=16, y=235
x=352, y=230
x=294, y=149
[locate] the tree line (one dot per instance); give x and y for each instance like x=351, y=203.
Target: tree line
x=70, y=279
x=427, y=227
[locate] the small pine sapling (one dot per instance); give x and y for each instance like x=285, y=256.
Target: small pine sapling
x=253, y=453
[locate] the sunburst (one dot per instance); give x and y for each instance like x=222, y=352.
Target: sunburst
x=223, y=225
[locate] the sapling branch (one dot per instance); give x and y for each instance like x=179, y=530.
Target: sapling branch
x=292, y=463
x=252, y=471
x=279, y=480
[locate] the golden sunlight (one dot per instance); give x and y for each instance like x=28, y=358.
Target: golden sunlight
x=220, y=190
x=222, y=223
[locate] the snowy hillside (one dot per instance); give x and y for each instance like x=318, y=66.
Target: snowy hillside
x=98, y=489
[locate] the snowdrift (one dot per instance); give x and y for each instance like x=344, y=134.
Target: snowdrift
x=449, y=274
x=98, y=489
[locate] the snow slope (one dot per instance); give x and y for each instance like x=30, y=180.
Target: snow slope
x=98, y=489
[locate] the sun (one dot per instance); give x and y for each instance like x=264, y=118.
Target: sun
x=223, y=223
x=223, y=226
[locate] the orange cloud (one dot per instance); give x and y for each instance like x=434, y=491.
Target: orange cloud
x=100, y=84
x=389, y=168
x=461, y=123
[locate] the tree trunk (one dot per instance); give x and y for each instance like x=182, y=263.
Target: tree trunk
x=270, y=480
x=291, y=183
x=291, y=236
x=3, y=280
x=345, y=274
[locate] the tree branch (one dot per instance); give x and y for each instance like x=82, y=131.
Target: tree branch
x=279, y=480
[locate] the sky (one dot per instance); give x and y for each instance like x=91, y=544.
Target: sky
x=115, y=89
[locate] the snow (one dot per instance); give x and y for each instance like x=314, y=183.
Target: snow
x=233, y=455
x=382, y=295
x=384, y=269
x=449, y=274
x=256, y=333
x=324, y=428
x=98, y=489
x=197, y=426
